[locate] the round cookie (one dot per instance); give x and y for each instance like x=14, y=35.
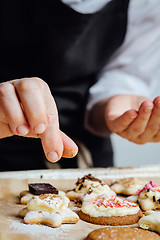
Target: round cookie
x=113, y=221
x=110, y=211
x=120, y=233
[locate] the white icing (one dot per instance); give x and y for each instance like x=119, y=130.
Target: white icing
x=95, y=187
x=52, y=219
x=25, y=196
x=50, y=203
x=91, y=208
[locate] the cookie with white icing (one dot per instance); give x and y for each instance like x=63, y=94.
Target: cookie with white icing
x=149, y=196
x=110, y=211
x=48, y=209
x=87, y=187
x=127, y=186
x=37, y=189
x=151, y=221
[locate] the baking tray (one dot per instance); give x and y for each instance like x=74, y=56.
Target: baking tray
x=12, y=183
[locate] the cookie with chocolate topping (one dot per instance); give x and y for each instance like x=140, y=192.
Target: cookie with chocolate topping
x=89, y=177
x=49, y=209
x=37, y=189
x=87, y=187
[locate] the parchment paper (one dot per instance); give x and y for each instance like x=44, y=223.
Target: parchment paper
x=12, y=227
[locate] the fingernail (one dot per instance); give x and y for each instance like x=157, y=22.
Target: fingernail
x=52, y=156
x=22, y=129
x=40, y=128
x=73, y=153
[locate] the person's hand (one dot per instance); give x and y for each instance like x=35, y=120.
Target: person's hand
x=134, y=118
x=27, y=108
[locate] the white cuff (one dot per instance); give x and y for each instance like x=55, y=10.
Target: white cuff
x=115, y=82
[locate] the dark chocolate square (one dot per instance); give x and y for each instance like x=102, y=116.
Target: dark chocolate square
x=42, y=188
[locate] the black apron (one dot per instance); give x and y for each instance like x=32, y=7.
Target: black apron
x=67, y=49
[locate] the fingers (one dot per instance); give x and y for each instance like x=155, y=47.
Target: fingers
x=27, y=108
x=24, y=106
x=51, y=138
x=56, y=144
x=52, y=143
x=151, y=132
x=139, y=125
x=31, y=95
x=41, y=113
x=12, y=110
x=121, y=123
x=145, y=127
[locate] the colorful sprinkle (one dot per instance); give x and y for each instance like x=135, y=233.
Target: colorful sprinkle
x=113, y=203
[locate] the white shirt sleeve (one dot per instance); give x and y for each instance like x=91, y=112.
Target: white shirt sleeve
x=135, y=67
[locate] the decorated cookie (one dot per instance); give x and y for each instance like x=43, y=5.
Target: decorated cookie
x=122, y=233
x=51, y=219
x=149, y=196
x=87, y=187
x=48, y=209
x=151, y=221
x=37, y=189
x=110, y=211
x=127, y=186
